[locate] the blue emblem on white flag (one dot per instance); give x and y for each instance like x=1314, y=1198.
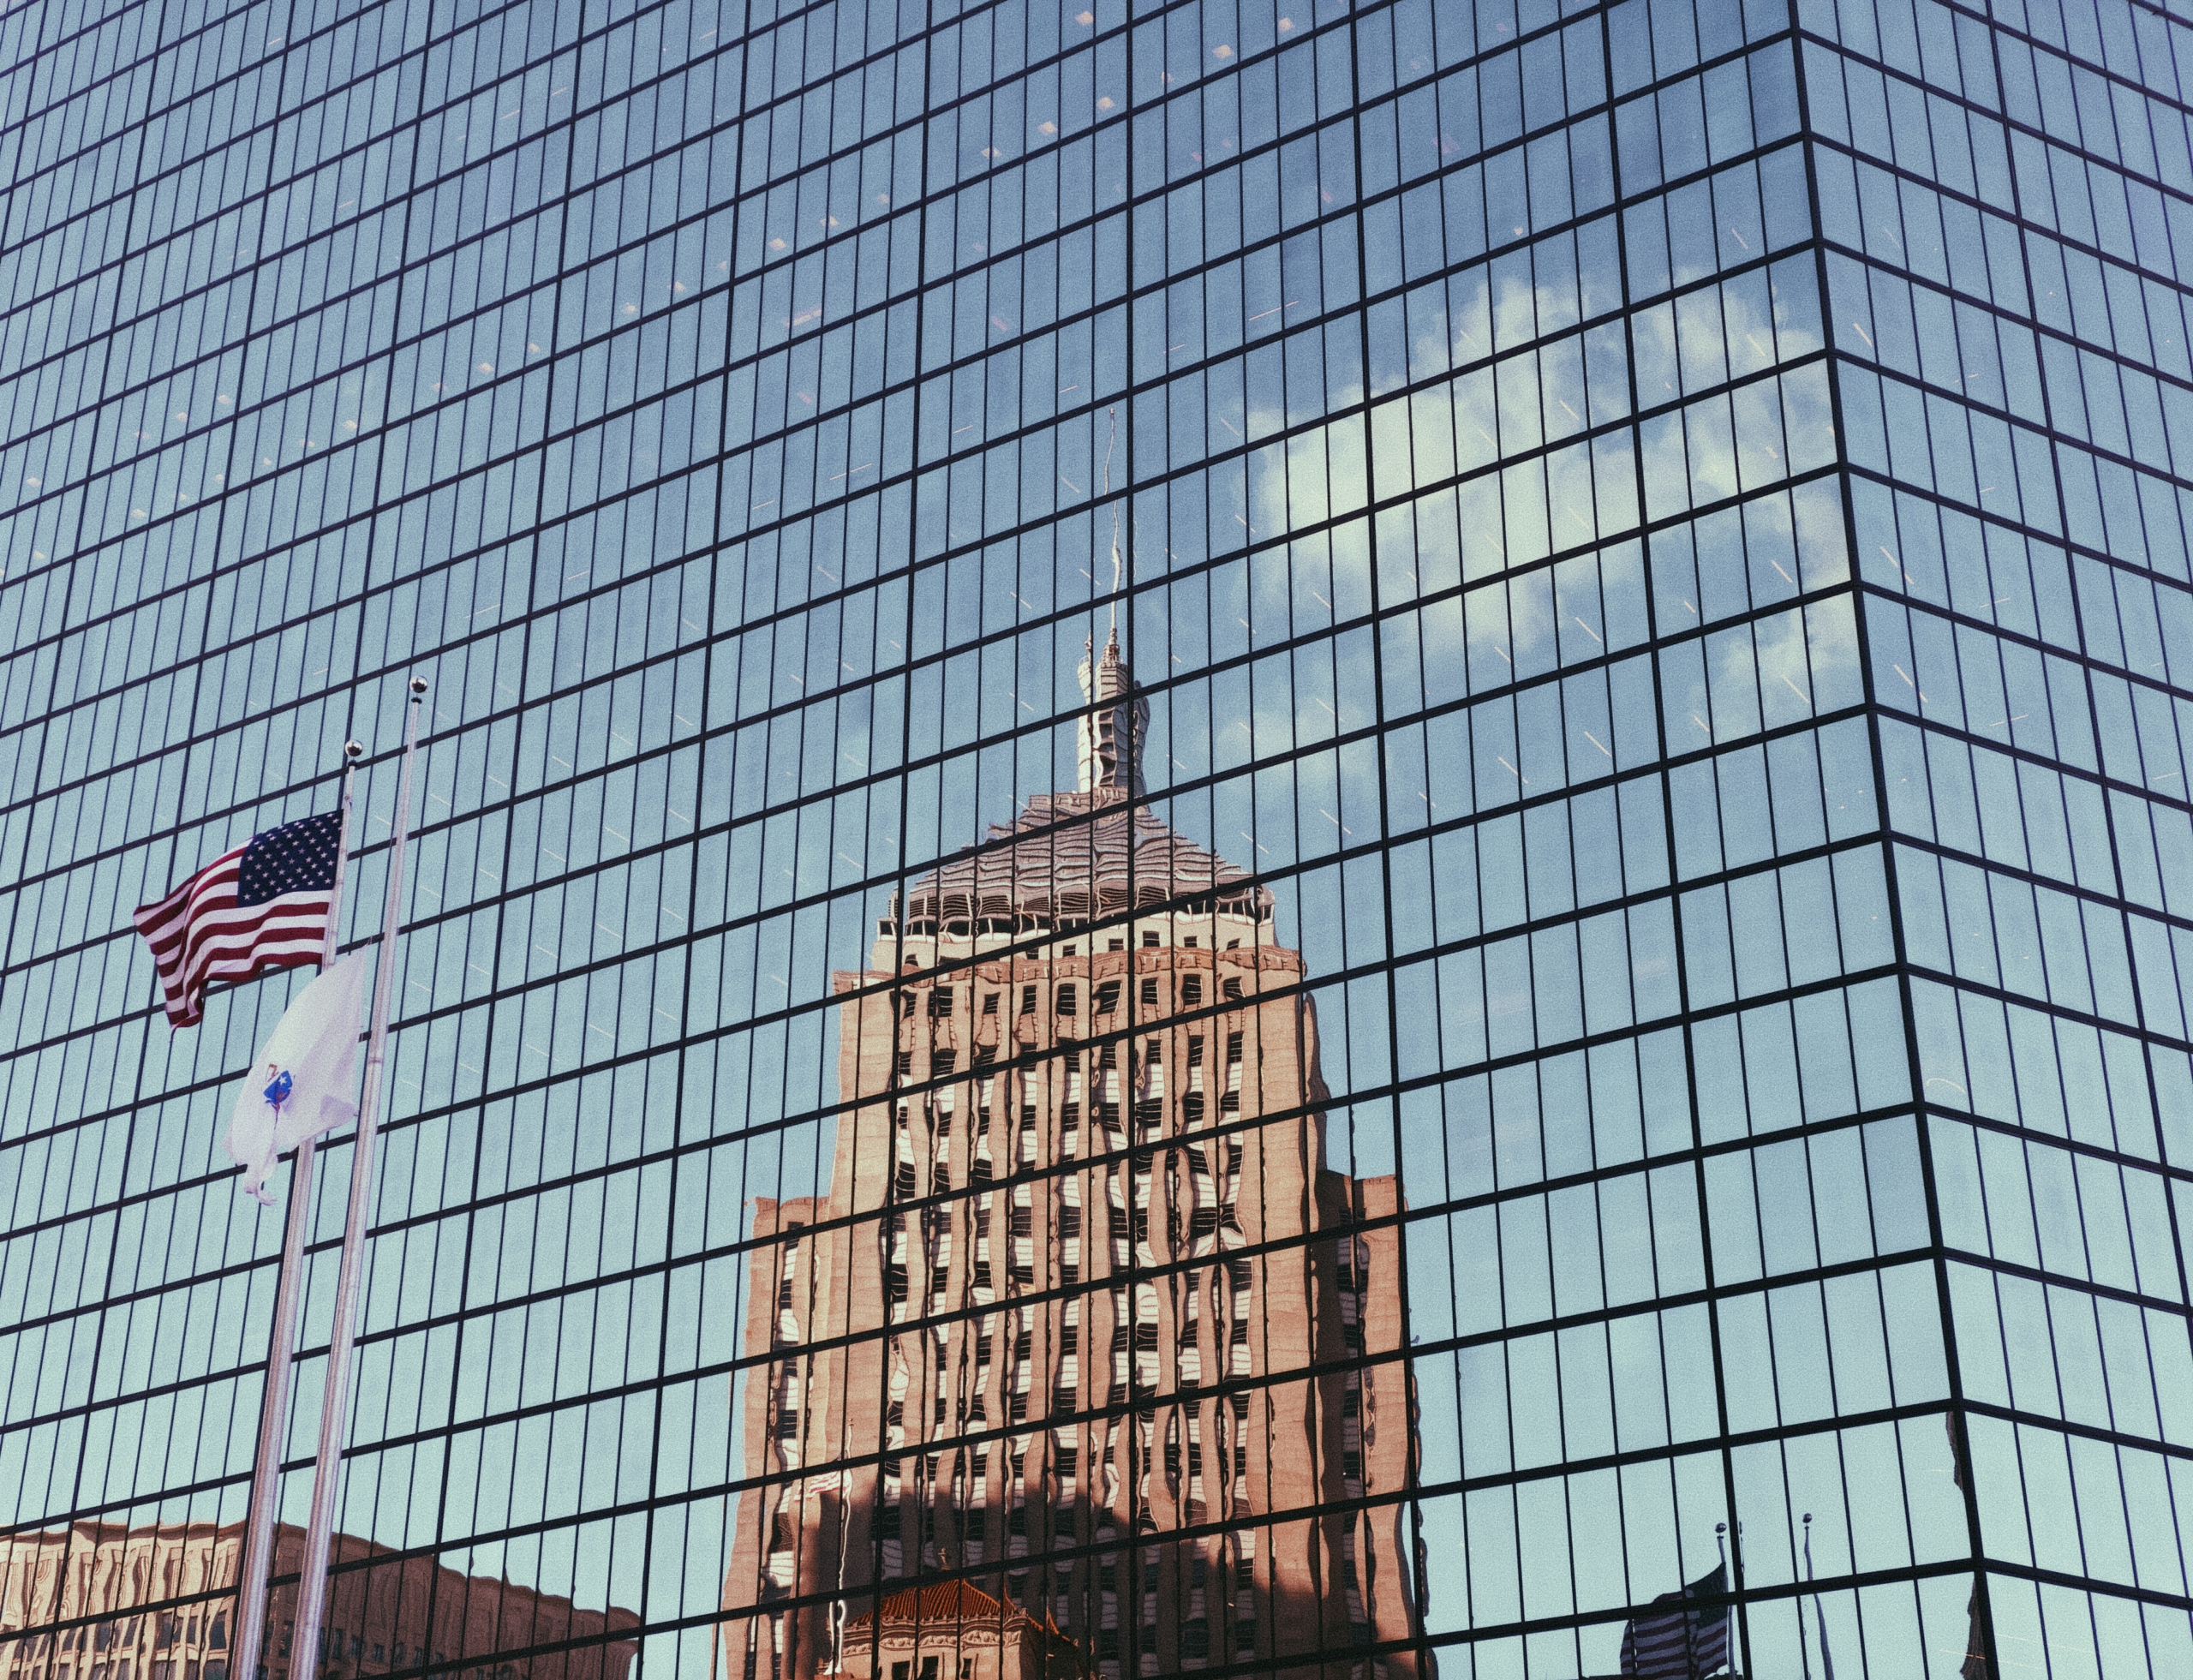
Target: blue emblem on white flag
x=305, y=1080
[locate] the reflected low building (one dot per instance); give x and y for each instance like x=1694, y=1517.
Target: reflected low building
x=387, y=1613
x=1084, y=1319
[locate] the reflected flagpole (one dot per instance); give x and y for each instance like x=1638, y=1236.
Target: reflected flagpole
x=1721, y=1542
x=264, y=1513
x=1804, y=1646
x=1819, y=1612
x=334, y=1406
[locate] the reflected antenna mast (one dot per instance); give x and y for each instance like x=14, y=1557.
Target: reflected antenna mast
x=1111, y=438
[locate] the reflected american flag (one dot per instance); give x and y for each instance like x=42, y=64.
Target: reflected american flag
x=1687, y=1640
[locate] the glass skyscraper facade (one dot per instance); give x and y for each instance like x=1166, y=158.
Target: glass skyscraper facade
x=1610, y=585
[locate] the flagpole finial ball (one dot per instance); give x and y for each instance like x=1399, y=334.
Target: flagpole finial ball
x=354, y=751
x=418, y=688
x=1808, y=1517
x=1720, y=1527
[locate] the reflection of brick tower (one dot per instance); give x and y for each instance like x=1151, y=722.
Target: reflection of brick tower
x=1081, y=1282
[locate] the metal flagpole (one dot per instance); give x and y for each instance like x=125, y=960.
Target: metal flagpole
x=263, y=1515
x=334, y=1406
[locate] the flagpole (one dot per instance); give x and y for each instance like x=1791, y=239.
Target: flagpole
x=334, y=1405
x=263, y=1515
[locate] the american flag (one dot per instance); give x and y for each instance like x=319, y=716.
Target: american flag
x=261, y=907
x=1685, y=1640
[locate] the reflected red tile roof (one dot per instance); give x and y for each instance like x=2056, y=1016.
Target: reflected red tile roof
x=944, y=1601
x=1073, y=854
x=952, y=1601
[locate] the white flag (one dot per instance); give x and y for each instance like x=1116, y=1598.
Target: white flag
x=305, y=1081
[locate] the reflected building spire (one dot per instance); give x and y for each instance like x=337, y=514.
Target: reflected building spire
x=1109, y=734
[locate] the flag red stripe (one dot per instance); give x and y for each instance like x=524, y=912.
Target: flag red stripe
x=177, y=904
x=217, y=879
x=211, y=944
x=213, y=955
x=297, y=912
x=210, y=898
x=227, y=929
x=227, y=915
